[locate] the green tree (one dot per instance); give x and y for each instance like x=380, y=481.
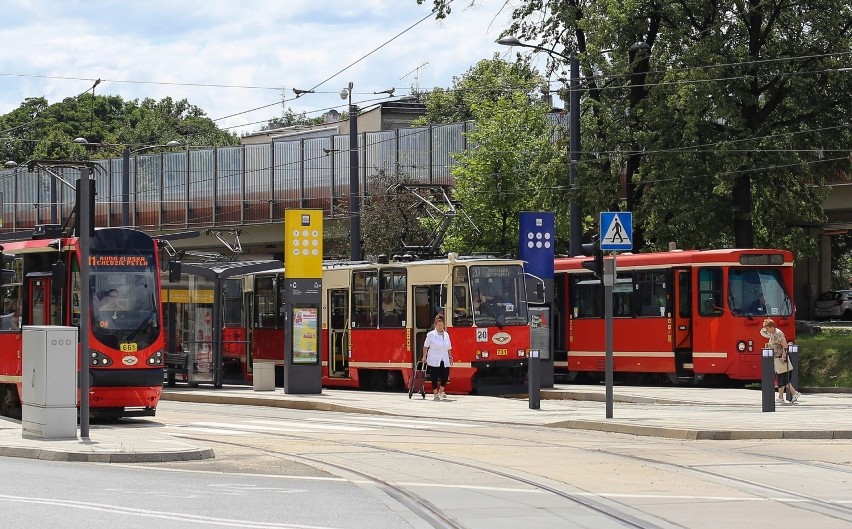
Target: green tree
x=37, y=129
x=289, y=118
x=722, y=124
x=487, y=80
x=390, y=217
x=512, y=163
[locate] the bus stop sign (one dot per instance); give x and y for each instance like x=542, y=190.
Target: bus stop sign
x=616, y=230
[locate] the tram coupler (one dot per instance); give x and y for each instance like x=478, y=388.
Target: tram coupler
x=767, y=380
x=534, y=379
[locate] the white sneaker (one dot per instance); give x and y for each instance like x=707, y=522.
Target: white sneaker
x=437, y=397
x=780, y=401
x=442, y=395
x=795, y=397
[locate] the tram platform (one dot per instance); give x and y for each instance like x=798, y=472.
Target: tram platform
x=113, y=443
x=669, y=412
x=686, y=413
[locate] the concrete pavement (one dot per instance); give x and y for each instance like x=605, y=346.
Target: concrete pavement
x=670, y=412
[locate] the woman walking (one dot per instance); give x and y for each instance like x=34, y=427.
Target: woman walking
x=778, y=344
x=438, y=355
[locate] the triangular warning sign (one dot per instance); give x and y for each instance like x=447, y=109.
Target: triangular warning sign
x=616, y=233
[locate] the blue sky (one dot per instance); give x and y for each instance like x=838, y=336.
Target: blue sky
x=154, y=48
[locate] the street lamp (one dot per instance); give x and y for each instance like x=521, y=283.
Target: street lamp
x=125, y=171
x=574, y=212
x=354, y=203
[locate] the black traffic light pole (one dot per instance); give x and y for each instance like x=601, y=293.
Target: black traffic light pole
x=604, y=270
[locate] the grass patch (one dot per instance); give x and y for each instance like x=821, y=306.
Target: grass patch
x=825, y=358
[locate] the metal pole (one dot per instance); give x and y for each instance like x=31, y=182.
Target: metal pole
x=534, y=380
x=125, y=187
x=767, y=380
x=53, y=200
x=575, y=215
x=83, y=209
x=608, y=281
x=354, y=201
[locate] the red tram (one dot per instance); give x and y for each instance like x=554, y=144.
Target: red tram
x=41, y=286
x=684, y=315
x=376, y=316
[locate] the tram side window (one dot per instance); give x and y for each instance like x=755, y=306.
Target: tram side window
x=11, y=293
x=264, y=302
x=587, y=299
x=280, y=310
x=462, y=306
x=622, y=296
x=233, y=302
x=651, y=293
x=365, y=299
x=393, y=285
x=710, y=291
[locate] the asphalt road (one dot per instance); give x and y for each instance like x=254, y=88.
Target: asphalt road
x=290, y=468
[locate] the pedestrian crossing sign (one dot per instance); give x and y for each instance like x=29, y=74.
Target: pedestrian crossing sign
x=616, y=230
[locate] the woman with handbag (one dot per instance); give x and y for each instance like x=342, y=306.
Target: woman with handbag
x=778, y=344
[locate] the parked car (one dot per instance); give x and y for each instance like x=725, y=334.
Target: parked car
x=834, y=304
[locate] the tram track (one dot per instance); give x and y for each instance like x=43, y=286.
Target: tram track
x=770, y=492
x=610, y=509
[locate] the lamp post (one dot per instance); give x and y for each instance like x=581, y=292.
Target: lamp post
x=354, y=202
x=574, y=211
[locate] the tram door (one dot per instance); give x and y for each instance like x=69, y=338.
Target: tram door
x=43, y=308
x=427, y=304
x=338, y=335
x=683, y=321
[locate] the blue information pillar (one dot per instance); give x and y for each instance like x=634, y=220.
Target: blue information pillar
x=536, y=248
x=303, y=301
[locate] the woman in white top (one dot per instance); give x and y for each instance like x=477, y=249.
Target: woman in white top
x=778, y=344
x=438, y=355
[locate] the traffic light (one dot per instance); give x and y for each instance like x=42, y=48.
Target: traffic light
x=593, y=249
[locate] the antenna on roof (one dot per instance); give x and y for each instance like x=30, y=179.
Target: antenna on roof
x=416, y=71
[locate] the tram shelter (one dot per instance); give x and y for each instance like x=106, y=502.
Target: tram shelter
x=206, y=317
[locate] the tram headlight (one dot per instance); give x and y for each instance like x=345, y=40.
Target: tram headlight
x=156, y=359
x=99, y=359
x=741, y=346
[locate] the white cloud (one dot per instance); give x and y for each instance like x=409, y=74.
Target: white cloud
x=139, y=47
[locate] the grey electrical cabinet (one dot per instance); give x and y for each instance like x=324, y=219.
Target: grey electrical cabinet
x=49, y=382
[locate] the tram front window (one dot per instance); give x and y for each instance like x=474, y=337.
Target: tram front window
x=498, y=294
x=755, y=292
x=125, y=305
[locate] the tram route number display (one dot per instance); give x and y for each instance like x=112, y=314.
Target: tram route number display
x=118, y=260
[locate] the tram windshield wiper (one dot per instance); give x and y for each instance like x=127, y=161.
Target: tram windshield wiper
x=145, y=321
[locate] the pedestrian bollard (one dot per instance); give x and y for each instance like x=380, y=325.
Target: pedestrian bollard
x=793, y=359
x=767, y=380
x=534, y=379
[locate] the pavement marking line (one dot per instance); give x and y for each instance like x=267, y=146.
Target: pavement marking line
x=245, y=429
x=614, y=495
x=422, y=423
x=217, y=431
x=171, y=516
x=218, y=473
x=313, y=426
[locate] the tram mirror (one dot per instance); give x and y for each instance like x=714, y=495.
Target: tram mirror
x=58, y=272
x=174, y=271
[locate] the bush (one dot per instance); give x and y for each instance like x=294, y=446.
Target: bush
x=825, y=358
